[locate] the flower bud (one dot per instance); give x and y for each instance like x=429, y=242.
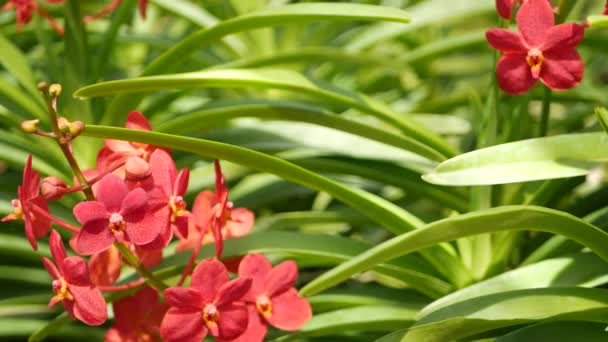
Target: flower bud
x=64, y=125
x=76, y=128
x=30, y=126
x=55, y=89
x=52, y=188
x=43, y=87
x=136, y=169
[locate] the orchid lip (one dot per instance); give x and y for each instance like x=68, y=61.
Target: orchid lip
x=264, y=306
x=211, y=317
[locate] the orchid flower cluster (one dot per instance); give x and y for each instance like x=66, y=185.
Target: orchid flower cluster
x=25, y=9
x=541, y=50
x=134, y=208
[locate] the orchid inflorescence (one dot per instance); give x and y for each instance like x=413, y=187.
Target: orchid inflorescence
x=134, y=207
x=540, y=50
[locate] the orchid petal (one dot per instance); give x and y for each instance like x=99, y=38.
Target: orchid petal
x=562, y=70
x=136, y=120
x=75, y=271
x=90, y=211
x=564, y=36
x=51, y=268
x=89, y=305
x=164, y=171
x=233, y=321
x=94, y=237
x=208, y=277
x=256, y=267
x=534, y=19
x=111, y=190
x=281, y=278
x=134, y=202
x=506, y=40
x=57, y=249
x=181, y=297
x=289, y=311
x=233, y=291
x=183, y=325
x=514, y=75
x=104, y=267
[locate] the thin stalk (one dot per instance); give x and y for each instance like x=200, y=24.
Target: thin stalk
x=132, y=259
x=54, y=219
x=546, y=111
x=123, y=287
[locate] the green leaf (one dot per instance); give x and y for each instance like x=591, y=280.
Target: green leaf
x=558, y=331
x=505, y=309
x=426, y=13
x=281, y=79
x=598, y=21
x=17, y=64
x=288, y=14
x=534, y=159
x=329, y=249
x=292, y=111
x=367, y=295
x=602, y=118
x=582, y=269
x=504, y=218
x=364, y=318
x=389, y=215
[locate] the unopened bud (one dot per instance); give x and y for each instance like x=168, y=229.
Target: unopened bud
x=64, y=125
x=30, y=126
x=76, y=128
x=136, y=169
x=53, y=188
x=43, y=87
x=55, y=89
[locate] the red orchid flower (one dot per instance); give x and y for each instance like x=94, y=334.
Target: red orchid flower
x=137, y=318
x=117, y=215
x=214, y=217
x=540, y=50
x=272, y=296
x=24, y=9
x=72, y=285
x=505, y=7
x=143, y=4
x=210, y=305
x=166, y=198
x=137, y=121
x=29, y=206
x=606, y=9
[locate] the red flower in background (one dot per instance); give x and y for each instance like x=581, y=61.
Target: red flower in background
x=30, y=206
x=272, y=299
x=24, y=10
x=211, y=305
x=137, y=318
x=117, y=215
x=540, y=50
x=143, y=4
x=215, y=218
x=606, y=9
x=72, y=285
x=105, y=266
x=505, y=7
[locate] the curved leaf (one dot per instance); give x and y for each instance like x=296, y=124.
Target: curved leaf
x=385, y=213
x=485, y=313
x=558, y=331
x=598, y=21
x=484, y=221
x=292, y=14
x=534, y=159
x=273, y=78
x=583, y=269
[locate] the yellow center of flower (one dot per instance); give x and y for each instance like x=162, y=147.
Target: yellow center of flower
x=264, y=306
x=535, y=61
x=60, y=288
x=178, y=207
x=117, y=226
x=211, y=317
x=17, y=210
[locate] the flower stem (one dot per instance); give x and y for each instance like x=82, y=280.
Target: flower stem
x=66, y=148
x=55, y=220
x=546, y=111
x=132, y=259
x=123, y=287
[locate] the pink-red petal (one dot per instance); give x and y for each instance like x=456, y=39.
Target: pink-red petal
x=506, y=40
x=233, y=321
x=76, y=271
x=90, y=211
x=289, y=311
x=57, y=248
x=564, y=36
x=281, y=278
x=182, y=297
x=208, y=277
x=111, y=190
x=89, y=305
x=164, y=171
x=233, y=291
x=94, y=237
x=134, y=202
x=514, y=75
x=104, y=267
x=563, y=70
x=534, y=19
x=256, y=327
x=51, y=268
x=136, y=120
x=255, y=266
x=183, y=325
